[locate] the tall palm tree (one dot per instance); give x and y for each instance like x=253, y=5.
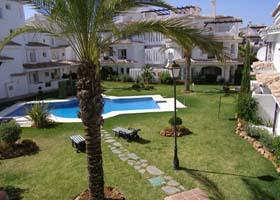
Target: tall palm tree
x=188, y=56
x=83, y=23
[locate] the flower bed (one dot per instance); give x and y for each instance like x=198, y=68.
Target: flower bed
x=261, y=144
x=26, y=147
x=110, y=194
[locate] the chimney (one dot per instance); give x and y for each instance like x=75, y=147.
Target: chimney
x=214, y=8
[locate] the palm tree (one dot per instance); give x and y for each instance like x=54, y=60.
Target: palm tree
x=83, y=23
x=147, y=74
x=188, y=56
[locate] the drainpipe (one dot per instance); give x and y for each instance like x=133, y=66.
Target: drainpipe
x=275, y=119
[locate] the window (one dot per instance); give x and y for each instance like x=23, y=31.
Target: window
x=8, y=6
x=232, y=49
x=1, y=13
x=32, y=56
x=35, y=77
x=47, y=74
x=44, y=54
x=127, y=70
x=44, y=41
x=122, y=54
x=63, y=54
x=122, y=70
x=10, y=88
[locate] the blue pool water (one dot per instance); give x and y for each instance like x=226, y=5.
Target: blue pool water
x=71, y=108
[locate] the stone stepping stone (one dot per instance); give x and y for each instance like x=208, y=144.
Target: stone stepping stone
x=196, y=194
x=117, y=144
x=157, y=181
x=182, y=187
x=131, y=162
x=142, y=171
x=168, y=178
x=154, y=171
x=110, y=141
x=169, y=190
x=143, y=161
x=133, y=156
x=144, y=165
x=173, y=183
x=137, y=167
x=116, y=151
x=123, y=158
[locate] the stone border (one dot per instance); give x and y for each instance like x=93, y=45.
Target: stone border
x=241, y=131
x=155, y=176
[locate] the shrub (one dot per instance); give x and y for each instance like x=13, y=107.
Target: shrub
x=10, y=132
x=276, y=146
x=247, y=108
x=164, y=78
x=125, y=78
x=253, y=132
x=39, y=115
x=266, y=139
x=137, y=86
x=30, y=146
x=178, y=121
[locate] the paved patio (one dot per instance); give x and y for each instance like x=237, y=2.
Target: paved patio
x=195, y=194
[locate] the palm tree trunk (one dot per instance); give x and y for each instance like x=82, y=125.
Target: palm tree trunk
x=187, y=70
x=91, y=105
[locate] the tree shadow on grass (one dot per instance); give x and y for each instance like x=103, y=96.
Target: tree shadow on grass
x=141, y=140
x=14, y=193
x=267, y=178
x=212, y=188
x=257, y=192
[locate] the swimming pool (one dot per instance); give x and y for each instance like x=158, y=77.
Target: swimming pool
x=70, y=109
x=65, y=110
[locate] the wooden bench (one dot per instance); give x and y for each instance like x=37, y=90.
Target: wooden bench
x=79, y=143
x=128, y=134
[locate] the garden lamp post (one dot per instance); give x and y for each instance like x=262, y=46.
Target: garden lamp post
x=174, y=71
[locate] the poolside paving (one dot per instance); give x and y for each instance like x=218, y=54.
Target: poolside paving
x=155, y=176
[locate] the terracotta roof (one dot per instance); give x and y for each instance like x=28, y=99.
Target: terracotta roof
x=209, y=61
x=126, y=42
x=12, y=43
x=60, y=46
x=272, y=82
x=36, y=44
x=111, y=61
x=224, y=19
x=262, y=66
x=44, y=65
x=18, y=74
x=6, y=58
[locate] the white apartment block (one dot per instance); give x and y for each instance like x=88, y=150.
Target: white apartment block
x=130, y=55
x=31, y=62
x=36, y=62
x=266, y=89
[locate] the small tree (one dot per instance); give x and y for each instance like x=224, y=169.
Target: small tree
x=245, y=82
x=147, y=74
x=39, y=115
x=10, y=132
x=177, y=122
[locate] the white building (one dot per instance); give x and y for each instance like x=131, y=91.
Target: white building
x=36, y=62
x=267, y=87
x=130, y=55
x=31, y=62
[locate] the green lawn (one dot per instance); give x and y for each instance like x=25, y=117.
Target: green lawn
x=212, y=158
